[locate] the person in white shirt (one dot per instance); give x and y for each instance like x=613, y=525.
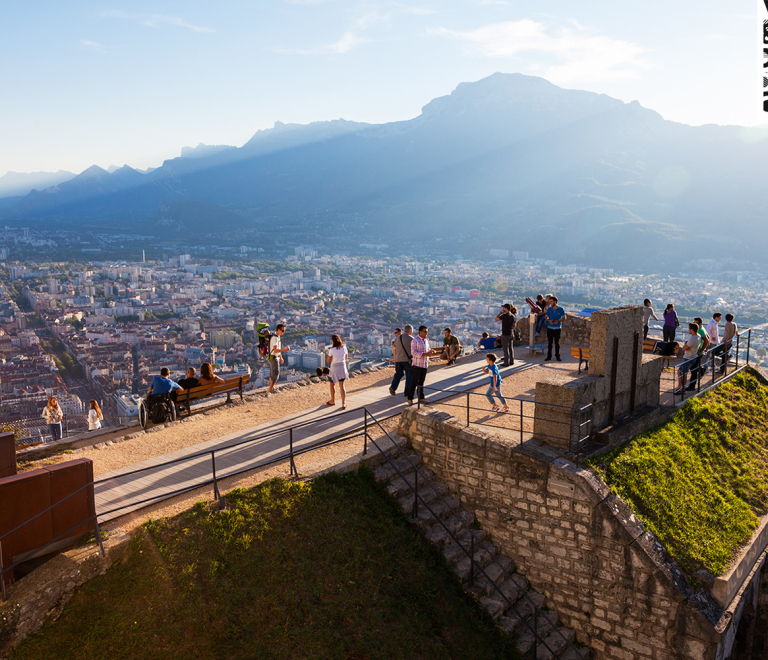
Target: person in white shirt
x=337, y=358
x=276, y=351
x=94, y=416
x=648, y=314
x=690, y=351
x=713, y=331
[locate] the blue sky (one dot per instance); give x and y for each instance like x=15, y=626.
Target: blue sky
x=109, y=83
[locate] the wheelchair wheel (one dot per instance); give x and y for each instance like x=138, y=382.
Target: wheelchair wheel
x=172, y=412
x=143, y=414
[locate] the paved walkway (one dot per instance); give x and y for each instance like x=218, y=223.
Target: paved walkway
x=150, y=481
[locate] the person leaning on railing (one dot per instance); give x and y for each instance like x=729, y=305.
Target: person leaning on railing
x=95, y=416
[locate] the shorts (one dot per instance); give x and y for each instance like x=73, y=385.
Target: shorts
x=274, y=370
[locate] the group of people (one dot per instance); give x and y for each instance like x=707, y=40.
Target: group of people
x=54, y=416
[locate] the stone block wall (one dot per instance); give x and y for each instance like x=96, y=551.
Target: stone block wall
x=576, y=331
x=576, y=542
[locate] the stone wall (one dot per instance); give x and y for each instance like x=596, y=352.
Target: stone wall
x=575, y=331
x=577, y=543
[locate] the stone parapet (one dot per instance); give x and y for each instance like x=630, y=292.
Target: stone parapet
x=575, y=332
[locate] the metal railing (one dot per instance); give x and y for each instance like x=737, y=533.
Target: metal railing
x=470, y=546
x=703, y=372
x=576, y=427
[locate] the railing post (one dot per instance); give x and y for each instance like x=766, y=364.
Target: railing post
x=98, y=535
x=471, y=560
x=216, y=492
x=737, y=350
x=521, y=421
x=415, y=509
x=2, y=574
x=292, y=467
x=749, y=343
x=467, y=407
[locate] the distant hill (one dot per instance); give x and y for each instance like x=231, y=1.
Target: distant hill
x=16, y=184
x=509, y=161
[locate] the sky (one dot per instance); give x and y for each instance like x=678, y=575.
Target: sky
x=89, y=82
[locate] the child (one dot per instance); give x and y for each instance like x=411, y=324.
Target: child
x=495, y=385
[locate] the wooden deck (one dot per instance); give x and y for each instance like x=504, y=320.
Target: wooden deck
x=128, y=489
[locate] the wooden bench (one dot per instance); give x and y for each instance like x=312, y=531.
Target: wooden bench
x=649, y=346
x=582, y=355
x=205, y=391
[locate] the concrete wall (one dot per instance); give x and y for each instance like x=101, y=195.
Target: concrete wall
x=576, y=542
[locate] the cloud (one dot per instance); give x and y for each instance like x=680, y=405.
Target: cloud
x=92, y=44
x=348, y=41
x=154, y=20
x=570, y=56
x=351, y=39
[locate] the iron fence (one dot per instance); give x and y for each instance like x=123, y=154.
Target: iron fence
x=685, y=378
x=571, y=424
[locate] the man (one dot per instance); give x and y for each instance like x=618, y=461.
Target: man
x=555, y=316
x=398, y=332
x=705, y=342
x=401, y=349
x=190, y=381
x=276, y=356
x=162, y=384
x=507, y=319
x=421, y=352
x=730, y=331
x=451, y=347
x=713, y=330
x=690, y=351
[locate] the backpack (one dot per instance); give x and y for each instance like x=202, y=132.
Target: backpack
x=264, y=337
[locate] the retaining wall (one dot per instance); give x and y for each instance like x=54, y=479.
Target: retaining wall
x=579, y=544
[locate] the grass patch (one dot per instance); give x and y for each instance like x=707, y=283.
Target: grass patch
x=327, y=569
x=700, y=481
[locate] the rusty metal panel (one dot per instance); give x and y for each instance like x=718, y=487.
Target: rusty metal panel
x=7, y=454
x=66, y=478
x=22, y=496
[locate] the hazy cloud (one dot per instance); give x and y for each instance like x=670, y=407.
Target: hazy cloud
x=570, y=55
x=351, y=39
x=155, y=20
x=91, y=44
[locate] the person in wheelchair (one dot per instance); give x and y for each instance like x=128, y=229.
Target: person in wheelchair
x=160, y=390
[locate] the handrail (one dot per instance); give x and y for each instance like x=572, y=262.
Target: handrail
x=571, y=424
x=474, y=539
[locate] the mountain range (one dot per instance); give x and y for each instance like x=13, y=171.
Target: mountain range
x=510, y=161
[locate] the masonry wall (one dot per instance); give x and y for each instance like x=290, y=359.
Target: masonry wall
x=575, y=541
x=575, y=332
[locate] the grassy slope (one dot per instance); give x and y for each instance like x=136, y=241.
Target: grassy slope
x=700, y=481
x=329, y=569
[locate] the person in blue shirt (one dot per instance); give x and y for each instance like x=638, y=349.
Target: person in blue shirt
x=495, y=385
x=162, y=384
x=555, y=316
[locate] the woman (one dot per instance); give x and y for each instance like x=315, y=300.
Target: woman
x=670, y=323
x=337, y=358
x=94, y=416
x=207, y=377
x=53, y=416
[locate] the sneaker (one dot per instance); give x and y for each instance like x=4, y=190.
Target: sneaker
x=505, y=409
x=410, y=402
x=495, y=409
x=422, y=400
x=392, y=391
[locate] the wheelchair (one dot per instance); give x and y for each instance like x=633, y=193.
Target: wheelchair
x=157, y=409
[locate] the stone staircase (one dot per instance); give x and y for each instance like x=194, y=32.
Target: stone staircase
x=511, y=584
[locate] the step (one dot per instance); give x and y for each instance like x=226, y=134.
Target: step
x=483, y=559
x=399, y=487
x=555, y=643
x=439, y=537
x=387, y=472
x=428, y=494
x=455, y=553
x=578, y=654
x=443, y=510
